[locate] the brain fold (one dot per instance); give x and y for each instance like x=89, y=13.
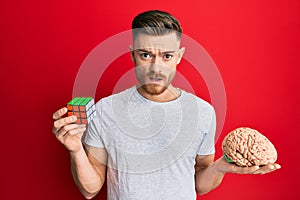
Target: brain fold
x=247, y=147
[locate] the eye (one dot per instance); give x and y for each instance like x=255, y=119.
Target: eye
x=145, y=56
x=168, y=56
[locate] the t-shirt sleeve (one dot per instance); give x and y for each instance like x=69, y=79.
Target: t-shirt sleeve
x=207, y=146
x=94, y=129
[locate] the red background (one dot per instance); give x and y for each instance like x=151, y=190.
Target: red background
x=43, y=43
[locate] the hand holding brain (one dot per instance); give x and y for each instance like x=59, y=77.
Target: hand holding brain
x=248, y=147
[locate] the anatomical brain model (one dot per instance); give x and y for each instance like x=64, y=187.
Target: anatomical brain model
x=248, y=147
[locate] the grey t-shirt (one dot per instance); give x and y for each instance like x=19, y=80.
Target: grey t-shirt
x=152, y=146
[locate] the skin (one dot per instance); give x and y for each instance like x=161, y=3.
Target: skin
x=155, y=59
x=88, y=172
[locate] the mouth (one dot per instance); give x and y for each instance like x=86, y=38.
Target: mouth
x=155, y=79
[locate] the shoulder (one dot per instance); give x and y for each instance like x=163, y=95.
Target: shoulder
x=202, y=104
x=120, y=95
x=115, y=100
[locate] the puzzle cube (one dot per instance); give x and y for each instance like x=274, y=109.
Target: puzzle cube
x=83, y=108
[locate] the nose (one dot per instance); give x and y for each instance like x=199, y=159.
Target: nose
x=156, y=64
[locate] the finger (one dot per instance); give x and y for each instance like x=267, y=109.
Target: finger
x=267, y=169
x=248, y=170
x=277, y=166
x=58, y=124
x=58, y=114
x=243, y=170
x=63, y=131
x=78, y=130
x=72, y=130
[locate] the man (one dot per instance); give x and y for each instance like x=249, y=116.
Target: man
x=152, y=141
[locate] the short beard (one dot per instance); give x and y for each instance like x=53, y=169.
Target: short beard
x=153, y=89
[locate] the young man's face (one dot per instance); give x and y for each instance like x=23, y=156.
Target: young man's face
x=156, y=58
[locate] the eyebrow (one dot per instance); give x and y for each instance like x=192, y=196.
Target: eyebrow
x=164, y=52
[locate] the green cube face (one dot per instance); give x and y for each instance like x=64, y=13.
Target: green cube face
x=83, y=108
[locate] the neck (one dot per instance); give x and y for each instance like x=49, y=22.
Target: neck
x=169, y=94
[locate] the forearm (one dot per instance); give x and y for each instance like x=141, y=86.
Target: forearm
x=208, y=178
x=85, y=176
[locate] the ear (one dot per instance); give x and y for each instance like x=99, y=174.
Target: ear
x=181, y=52
x=132, y=53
